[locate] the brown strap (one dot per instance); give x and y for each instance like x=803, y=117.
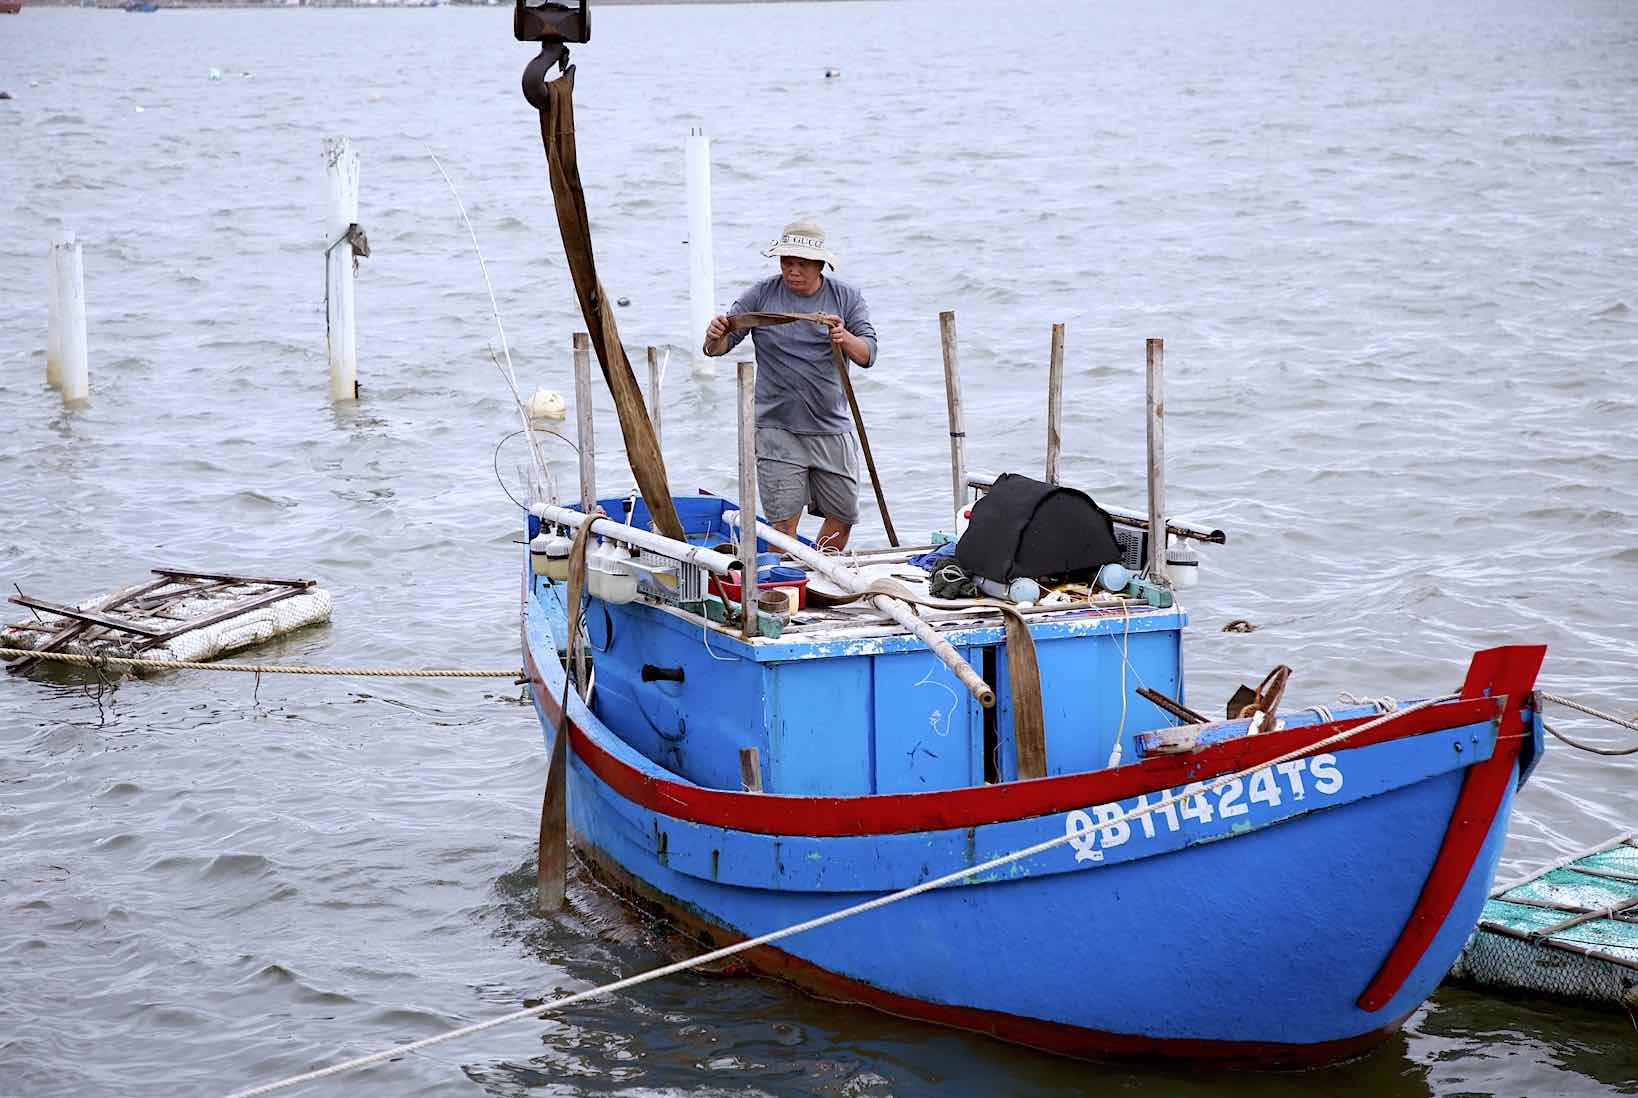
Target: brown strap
x=552, y=859
x=642, y=449
x=741, y=321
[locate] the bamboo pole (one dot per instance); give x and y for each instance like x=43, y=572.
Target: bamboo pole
x=958, y=428
x=1055, y=405
x=892, y=607
x=747, y=496
x=864, y=442
x=1155, y=410
x=654, y=391
x=583, y=421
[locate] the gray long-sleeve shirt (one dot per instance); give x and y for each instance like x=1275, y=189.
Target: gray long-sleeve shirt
x=796, y=384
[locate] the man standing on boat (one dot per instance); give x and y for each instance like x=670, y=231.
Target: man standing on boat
x=806, y=453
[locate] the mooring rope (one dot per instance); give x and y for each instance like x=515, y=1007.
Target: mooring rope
x=1571, y=703
x=822, y=920
x=82, y=660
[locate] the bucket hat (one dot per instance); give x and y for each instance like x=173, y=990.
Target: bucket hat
x=804, y=239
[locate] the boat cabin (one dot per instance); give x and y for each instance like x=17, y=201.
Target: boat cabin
x=845, y=701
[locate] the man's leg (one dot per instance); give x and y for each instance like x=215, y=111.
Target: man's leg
x=787, y=525
x=833, y=535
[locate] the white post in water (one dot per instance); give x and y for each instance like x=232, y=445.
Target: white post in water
x=583, y=422
x=747, y=496
x=1155, y=408
x=54, y=309
x=958, y=429
x=702, y=267
x=341, y=170
x=73, y=373
x=1055, y=405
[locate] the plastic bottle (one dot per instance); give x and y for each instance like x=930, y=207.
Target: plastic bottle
x=557, y=550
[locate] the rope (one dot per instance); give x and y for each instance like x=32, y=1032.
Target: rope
x=100, y=662
x=811, y=924
x=1570, y=703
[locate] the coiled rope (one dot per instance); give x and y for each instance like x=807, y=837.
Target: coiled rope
x=1571, y=703
x=815, y=923
x=102, y=662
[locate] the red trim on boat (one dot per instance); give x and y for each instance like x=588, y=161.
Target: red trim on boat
x=1509, y=671
x=898, y=813
x=1056, y=1037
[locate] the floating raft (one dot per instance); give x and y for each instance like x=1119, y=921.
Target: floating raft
x=177, y=615
x=1570, y=931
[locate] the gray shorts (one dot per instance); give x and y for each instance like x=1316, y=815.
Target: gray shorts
x=820, y=472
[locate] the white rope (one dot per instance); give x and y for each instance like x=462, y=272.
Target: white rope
x=811, y=924
x=1571, y=703
x=1383, y=704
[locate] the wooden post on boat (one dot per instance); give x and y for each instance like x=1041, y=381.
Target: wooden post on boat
x=341, y=174
x=68, y=313
x=1055, y=405
x=747, y=496
x=958, y=429
x=1155, y=409
x=750, y=769
x=583, y=422
x=654, y=391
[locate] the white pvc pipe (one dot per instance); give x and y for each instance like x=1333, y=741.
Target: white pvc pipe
x=702, y=268
x=708, y=559
x=54, y=307
x=893, y=608
x=341, y=174
x=73, y=371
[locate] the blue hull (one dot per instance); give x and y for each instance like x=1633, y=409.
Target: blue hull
x=1296, y=919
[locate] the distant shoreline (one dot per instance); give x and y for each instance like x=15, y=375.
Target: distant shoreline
x=228, y=5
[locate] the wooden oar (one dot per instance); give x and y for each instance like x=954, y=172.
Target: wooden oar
x=864, y=442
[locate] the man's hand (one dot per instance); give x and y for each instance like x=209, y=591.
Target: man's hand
x=856, y=349
x=716, y=337
x=838, y=333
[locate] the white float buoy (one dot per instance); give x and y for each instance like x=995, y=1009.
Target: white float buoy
x=702, y=270
x=547, y=404
x=214, y=74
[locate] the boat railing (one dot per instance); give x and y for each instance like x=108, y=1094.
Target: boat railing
x=1177, y=527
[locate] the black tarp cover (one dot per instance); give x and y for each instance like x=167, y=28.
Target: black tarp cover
x=1028, y=528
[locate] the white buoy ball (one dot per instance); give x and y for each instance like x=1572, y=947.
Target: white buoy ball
x=547, y=404
x=215, y=74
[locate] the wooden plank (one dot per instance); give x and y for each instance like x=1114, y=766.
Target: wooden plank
x=1591, y=952
x=583, y=422
x=1155, y=409
x=747, y=496
x=90, y=617
x=750, y=769
x=1586, y=917
x=77, y=629
x=233, y=578
x=221, y=615
x=1055, y=405
x=958, y=426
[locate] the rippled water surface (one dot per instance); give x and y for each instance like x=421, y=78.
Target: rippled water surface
x=1392, y=250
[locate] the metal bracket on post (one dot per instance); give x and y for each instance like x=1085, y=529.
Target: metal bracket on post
x=554, y=26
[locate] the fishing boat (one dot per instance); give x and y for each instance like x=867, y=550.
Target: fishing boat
x=1000, y=814
x=11, y=7
x=1291, y=916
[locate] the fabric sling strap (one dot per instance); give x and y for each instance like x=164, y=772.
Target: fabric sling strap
x=642, y=448
x=742, y=321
